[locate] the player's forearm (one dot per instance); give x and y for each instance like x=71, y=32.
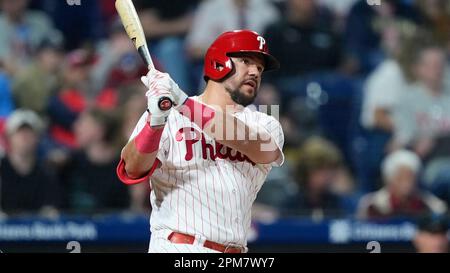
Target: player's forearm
x=254, y=142
x=253, y=150
x=137, y=164
x=139, y=155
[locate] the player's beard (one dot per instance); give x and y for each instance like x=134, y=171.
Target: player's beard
x=240, y=98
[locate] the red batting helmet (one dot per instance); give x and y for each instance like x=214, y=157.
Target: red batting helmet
x=218, y=62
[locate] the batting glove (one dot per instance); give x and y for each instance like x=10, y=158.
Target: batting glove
x=158, y=90
x=166, y=82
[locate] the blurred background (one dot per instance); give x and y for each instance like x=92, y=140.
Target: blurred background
x=364, y=95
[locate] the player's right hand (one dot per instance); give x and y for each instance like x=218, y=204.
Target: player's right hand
x=165, y=81
x=157, y=90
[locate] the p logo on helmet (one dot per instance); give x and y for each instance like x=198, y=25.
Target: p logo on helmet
x=262, y=42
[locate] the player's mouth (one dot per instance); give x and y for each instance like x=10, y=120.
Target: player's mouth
x=251, y=83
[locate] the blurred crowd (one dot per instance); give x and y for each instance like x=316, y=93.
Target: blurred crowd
x=364, y=95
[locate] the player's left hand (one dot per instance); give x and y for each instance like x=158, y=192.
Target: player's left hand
x=164, y=79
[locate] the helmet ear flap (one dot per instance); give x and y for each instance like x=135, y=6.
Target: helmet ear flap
x=218, y=66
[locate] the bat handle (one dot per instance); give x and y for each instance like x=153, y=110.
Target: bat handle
x=145, y=54
x=165, y=103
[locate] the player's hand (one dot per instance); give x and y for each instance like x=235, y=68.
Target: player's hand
x=166, y=82
x=157, y=90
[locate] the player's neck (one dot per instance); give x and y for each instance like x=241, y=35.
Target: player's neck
x=215, y=94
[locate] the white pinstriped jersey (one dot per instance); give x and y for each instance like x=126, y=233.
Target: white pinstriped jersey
x=200, y=190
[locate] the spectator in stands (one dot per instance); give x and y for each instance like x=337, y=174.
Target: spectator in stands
x=21, y=32
x=436, y=18
x=280, y=183
x=25, y=184
x=432, y=235
x=81, y=25
x=303, y=40
x=384, y=86
x=422, y=119
x=118, y=62
x=400, y=196
x=166, y=24
x=382, y=93
x=362, y=34
x=90, y=174
x=6, y=101
x=108, y=11
x=340, y=8
x=6, y=105
x=318, y=167
x=132, y=109
x=437, y=178
x=33, y=87
x=74, y=97
x=217, y=16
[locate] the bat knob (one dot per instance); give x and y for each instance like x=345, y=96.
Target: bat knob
x=165, y=103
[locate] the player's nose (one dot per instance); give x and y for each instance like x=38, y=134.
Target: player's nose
x=253, y=70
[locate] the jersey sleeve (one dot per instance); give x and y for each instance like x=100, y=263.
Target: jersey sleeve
x=273, y=127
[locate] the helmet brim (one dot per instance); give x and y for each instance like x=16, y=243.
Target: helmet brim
x=271, y=63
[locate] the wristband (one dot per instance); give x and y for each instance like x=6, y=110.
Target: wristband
x=147, y=141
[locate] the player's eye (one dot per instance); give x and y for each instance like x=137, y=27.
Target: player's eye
x=246, y=61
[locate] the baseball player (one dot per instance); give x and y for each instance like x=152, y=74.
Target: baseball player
x=208, y=156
